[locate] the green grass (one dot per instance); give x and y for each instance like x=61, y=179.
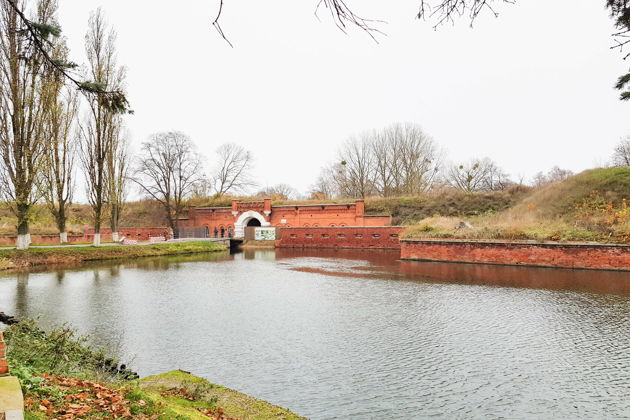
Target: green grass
x=12, y=258
x=451, y=203
x=235, y=404
x=559, y=199
x=60, y=351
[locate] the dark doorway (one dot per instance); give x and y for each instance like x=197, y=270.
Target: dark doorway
x=253, y=222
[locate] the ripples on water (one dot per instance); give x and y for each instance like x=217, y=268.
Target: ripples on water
x=348, y=334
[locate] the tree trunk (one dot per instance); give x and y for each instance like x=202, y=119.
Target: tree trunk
x=23, y=238
x=61, y=225
x=170, y=221
x=97, y=227
x=114, y=222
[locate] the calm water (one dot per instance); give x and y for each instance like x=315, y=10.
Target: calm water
x=347, y=334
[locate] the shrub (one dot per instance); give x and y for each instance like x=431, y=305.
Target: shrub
x=61, y=351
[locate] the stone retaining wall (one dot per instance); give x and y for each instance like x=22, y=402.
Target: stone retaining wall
x=340, y=237
x=584, y=256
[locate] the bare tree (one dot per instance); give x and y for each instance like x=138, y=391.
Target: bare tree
x=58, y=173
x=413, y=159
x=621, y=155
x=497, y=179
x=324, y=188
x=477, y=175
x=555, y=174
x=398, y=160
x=23, y=112
x=203, y=187
x=167, y=171
x=117, y=174
x=354, y=173
x=278, y=192
x=101, y=127
x=232, y=171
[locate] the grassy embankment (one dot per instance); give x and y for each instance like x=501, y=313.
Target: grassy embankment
x=14, y=259
x=63, y=378
x=589, y=207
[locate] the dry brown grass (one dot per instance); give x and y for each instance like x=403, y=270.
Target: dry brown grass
x=590, y=207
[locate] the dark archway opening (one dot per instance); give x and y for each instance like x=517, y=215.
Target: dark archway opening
x=253, y=222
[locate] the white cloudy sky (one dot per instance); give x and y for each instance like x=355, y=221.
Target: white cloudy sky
x=531, y=89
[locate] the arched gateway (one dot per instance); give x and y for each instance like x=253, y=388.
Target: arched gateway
x=248, y=218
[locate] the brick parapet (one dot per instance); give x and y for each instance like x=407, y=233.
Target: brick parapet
x=357, y=237
x=137, y=233
x=570, y=255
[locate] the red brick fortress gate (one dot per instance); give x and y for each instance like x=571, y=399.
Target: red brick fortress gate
x=232, y=221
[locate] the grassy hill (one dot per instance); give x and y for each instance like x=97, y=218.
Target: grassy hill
x=586, y=207
x=448, y=202
x=559, y=199
x=590, y=206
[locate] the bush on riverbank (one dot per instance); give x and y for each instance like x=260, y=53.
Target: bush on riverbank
x=12, y=258
x=62, y=377
x=59, y=351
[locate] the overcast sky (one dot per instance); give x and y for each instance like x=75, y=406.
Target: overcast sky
x=531, y=89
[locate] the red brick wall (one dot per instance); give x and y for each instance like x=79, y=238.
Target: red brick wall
x=41, y=239
x=211, y=217
x=340, y=237
x=349, y=214
x=106, y=236
x=318, y=216
x=613, y=257
x=4, y=365
x=141, y=234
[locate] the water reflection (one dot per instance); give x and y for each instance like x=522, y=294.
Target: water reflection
x=357, y=334
x=384, y=264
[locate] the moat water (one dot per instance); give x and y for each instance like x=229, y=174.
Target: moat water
x=357, y=334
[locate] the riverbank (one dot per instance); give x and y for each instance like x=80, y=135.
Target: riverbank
x=61, y=377
x=33, y=257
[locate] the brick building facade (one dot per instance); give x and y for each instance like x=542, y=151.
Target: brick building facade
x=231, y=221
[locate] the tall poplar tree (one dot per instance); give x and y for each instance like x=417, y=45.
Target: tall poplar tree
x=59, y=159
x=23, y=107
x=101, y=127
x=118, y=172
